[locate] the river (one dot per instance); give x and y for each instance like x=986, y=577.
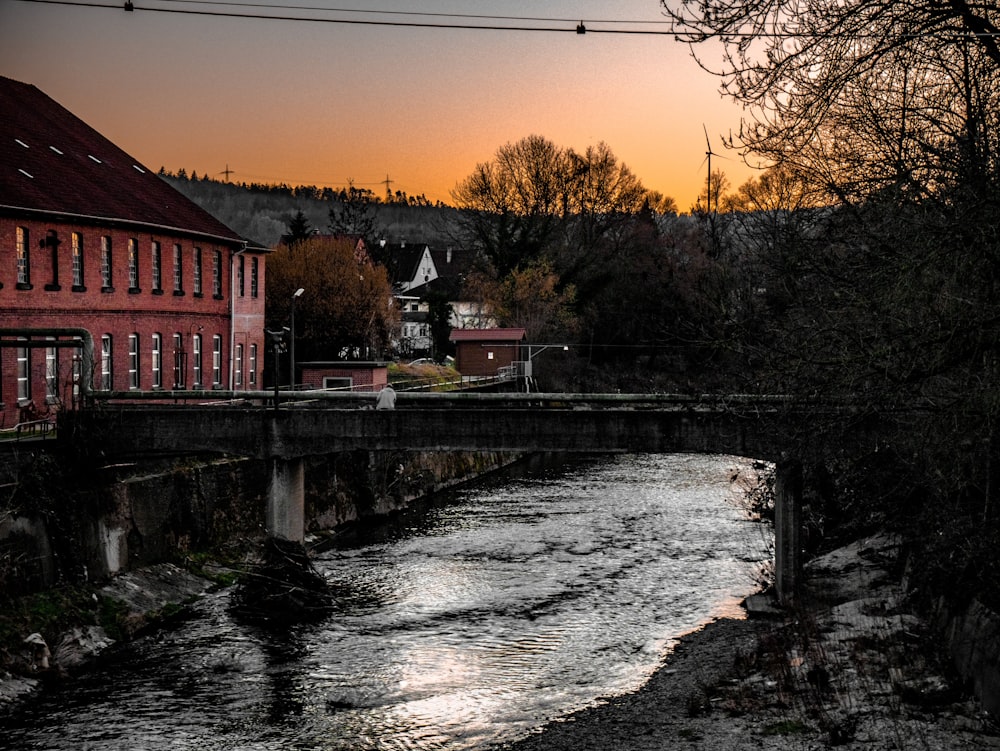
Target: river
x=511, y=601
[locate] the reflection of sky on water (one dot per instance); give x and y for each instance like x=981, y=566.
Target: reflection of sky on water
x=514, y=603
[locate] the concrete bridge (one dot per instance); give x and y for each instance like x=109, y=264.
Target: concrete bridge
x=285, y=428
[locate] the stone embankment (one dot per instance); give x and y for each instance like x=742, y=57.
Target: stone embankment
x=853, y=666
x=143, y=598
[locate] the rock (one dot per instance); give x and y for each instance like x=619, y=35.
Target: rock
x=144, y=593
x=38, y=652
x=925, y=691
x=80, y=645
x=14, y=688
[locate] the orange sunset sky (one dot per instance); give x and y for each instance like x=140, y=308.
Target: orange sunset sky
x=307, y=102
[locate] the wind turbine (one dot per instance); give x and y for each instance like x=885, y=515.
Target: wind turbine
x=708, y=158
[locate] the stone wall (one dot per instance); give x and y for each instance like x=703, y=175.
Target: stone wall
x=60, y=524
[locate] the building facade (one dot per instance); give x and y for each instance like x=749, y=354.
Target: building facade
x=487, y=352
x=90, y=239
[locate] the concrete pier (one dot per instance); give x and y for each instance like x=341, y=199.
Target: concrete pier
x=787, y=521
x=286, y=500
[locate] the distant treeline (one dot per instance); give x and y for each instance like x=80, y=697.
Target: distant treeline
x=313, y=192
x=261, y=212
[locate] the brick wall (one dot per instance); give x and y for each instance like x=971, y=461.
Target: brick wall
x=55, y=298
x=484, y=358
x=362, y=378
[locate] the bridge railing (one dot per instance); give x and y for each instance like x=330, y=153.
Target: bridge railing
x=337, y=399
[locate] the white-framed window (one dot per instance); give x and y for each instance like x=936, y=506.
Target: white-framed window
x=178, y=268
x=196, y=271
x=238, y=366
x=77, y=258
x=76, y=369
x=156, y=361
x=196, y=359
x=252, y=376
x=180, y=363
x=216, y=360
x=51, y=372
x=107, y=376
x=240, y=274
x=106, y=262
x=155, y=264
x=23, y=372
x=254, y=276
x=23, y=256
x=133, y=361
x=133, y=263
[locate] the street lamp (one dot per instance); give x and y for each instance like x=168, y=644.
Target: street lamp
x=277, y=339
x=533, y=350
x=291, y=356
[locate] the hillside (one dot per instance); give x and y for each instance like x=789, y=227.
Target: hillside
x=262, y=213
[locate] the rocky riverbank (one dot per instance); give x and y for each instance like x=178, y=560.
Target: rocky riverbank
x=853, y=666
x=142, y=598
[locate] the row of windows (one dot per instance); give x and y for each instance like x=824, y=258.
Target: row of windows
x=179, y=366
x=153, y=358
x=51, y=241
x=51, y=374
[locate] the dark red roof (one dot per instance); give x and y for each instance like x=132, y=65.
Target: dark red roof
x=487, y=335
x=53, y=162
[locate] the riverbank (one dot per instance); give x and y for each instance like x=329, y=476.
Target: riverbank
x=852, y=666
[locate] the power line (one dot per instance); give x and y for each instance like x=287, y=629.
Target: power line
x=580, y=28
x=682, y=32
x=428, y=14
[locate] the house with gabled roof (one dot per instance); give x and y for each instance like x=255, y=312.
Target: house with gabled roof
x=418, y=273
x=91, y=239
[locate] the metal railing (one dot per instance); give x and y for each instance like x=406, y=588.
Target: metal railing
x=31, y=429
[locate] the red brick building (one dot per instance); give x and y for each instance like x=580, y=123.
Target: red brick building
x=346, y=375
x=482, y=352
x=92, y=239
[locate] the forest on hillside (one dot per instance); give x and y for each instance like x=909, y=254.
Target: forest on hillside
x=263, y=212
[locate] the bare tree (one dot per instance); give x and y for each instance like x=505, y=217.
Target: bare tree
x=860, y=94
x=888, y=114
x=511, y=204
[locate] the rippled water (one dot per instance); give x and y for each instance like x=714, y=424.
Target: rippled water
x=514, y=602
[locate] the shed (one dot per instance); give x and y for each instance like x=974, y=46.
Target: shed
x=482, y=352
x=346, y=375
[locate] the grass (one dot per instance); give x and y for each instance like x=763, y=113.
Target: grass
x=48, y=613
x=438, y=377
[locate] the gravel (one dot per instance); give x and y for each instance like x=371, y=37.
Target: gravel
x=851, y=667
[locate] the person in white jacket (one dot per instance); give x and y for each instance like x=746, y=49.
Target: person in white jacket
x=386, y=398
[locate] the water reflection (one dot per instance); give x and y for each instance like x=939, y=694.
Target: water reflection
x=509, y=604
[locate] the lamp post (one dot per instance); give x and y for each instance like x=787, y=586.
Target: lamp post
x=529, y=374
x=291, y=357
x=277, y=339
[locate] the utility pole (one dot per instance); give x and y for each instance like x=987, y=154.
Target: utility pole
x=387, y=182
x=227, y=172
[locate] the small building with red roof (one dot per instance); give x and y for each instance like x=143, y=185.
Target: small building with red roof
x=345, y=375
x=484, y=352
x=92, y=239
